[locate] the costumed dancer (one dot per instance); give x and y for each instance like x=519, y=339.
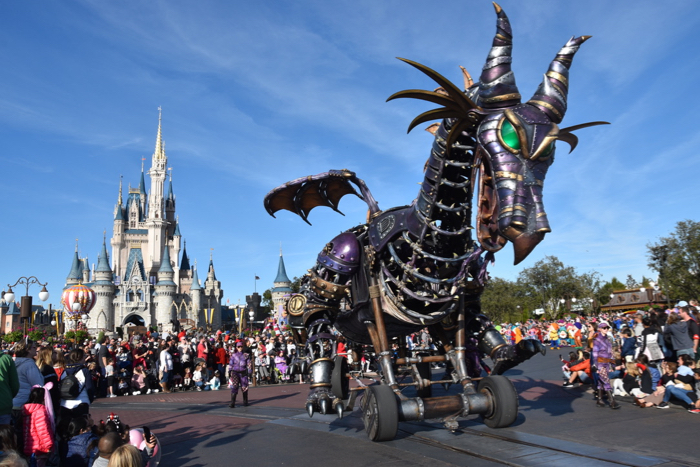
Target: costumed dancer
x=553, y=336
x=602, y=360
x=238, y=375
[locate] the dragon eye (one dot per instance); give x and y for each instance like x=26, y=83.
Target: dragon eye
x=509, y=136
x=548, y=152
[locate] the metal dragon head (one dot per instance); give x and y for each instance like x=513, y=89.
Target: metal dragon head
x=515, y=141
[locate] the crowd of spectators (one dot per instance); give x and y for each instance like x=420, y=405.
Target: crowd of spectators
x=654, y=353
x=47, y=388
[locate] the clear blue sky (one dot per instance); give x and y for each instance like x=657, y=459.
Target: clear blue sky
x=257, y=93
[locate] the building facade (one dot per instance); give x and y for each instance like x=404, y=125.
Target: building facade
x=151, y=281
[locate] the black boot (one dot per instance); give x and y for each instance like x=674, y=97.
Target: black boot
x=611, y=398
x=245, y=398
x=599, y=399
x=233, y=401
x=595, y=395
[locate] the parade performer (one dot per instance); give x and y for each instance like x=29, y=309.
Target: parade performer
x=602, y=360
x=238, y=377
x=553, y=336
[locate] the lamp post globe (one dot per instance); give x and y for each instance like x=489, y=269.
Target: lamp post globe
x=9, y=296
x=44, y=294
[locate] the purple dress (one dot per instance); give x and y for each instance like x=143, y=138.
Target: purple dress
x=239, y=364
x=281, y=364
x=602, y=359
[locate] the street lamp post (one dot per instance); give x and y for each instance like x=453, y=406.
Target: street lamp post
x=26, y=300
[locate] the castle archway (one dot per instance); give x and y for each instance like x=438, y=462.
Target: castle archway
x=134, y=319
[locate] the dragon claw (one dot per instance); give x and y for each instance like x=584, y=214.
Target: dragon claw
x=339, y=409
x=323, y=404
x=310, y=409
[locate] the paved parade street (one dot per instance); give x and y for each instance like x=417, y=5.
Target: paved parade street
x=556, y=426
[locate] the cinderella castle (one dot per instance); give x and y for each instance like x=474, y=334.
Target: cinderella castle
x=151, y=281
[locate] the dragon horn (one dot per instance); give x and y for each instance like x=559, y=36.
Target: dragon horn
x=551, y=94
x=497, y=86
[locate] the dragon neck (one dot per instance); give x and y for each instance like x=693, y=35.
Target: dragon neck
x=443, y=204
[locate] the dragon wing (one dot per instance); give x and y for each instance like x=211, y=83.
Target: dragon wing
x=300, y=196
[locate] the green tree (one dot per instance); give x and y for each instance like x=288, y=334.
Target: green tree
x=677, y=260
x=504, y=301
x=550, y=281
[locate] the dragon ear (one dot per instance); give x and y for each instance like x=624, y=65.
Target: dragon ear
x=432, y=129
x=566, y=135
x=497, y=88
x=551, y=95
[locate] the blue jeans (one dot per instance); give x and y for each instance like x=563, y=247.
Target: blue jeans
x=678, y=393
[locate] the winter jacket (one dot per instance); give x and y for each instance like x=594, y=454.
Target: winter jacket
x=77, y=455
x=583, y=366
x=628, y=346
x=9, y=383
x=38, y=434
x=679, y=335
x=29, y=376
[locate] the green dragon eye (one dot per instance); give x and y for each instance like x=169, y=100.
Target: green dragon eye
x=509, y=136
x=547, y=152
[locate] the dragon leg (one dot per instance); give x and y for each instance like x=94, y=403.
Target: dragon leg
x=504, y=355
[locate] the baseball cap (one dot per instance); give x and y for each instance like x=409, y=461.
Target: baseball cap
x=681, y=303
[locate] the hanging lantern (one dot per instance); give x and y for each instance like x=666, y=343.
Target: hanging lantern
x=78, y=300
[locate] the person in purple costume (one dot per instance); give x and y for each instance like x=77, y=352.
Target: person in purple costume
x=238, y=374
x=603, y=359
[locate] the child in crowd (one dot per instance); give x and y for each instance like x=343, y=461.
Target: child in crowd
x=123, y=388
x=187, y=380
x=215, y=382
x=197, y=377
x=38, y=425
x=109, y=376
x=177, y=381
x=80, y=436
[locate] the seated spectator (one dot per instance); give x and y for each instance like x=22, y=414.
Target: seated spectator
x=215, y=383
x=642, y=359
x=580, y=372
x=629, y=344
x=197, y=377
x=140, y=383
x=187, y=383
x=637, y=380
x=682, y=387
x=123, y=388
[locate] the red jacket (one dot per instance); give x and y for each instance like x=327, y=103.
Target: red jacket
x=584, y=365
x=221, y=357
x=38, y=436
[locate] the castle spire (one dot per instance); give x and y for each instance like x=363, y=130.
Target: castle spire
x=160, y=145
x=142, y=183
x=119, y=199
x=195, y=278
x=103, y=257
x=282, y=271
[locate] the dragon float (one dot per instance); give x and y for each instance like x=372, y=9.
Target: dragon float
x=418, y=266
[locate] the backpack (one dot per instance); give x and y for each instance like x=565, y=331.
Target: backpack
x=70, y=386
